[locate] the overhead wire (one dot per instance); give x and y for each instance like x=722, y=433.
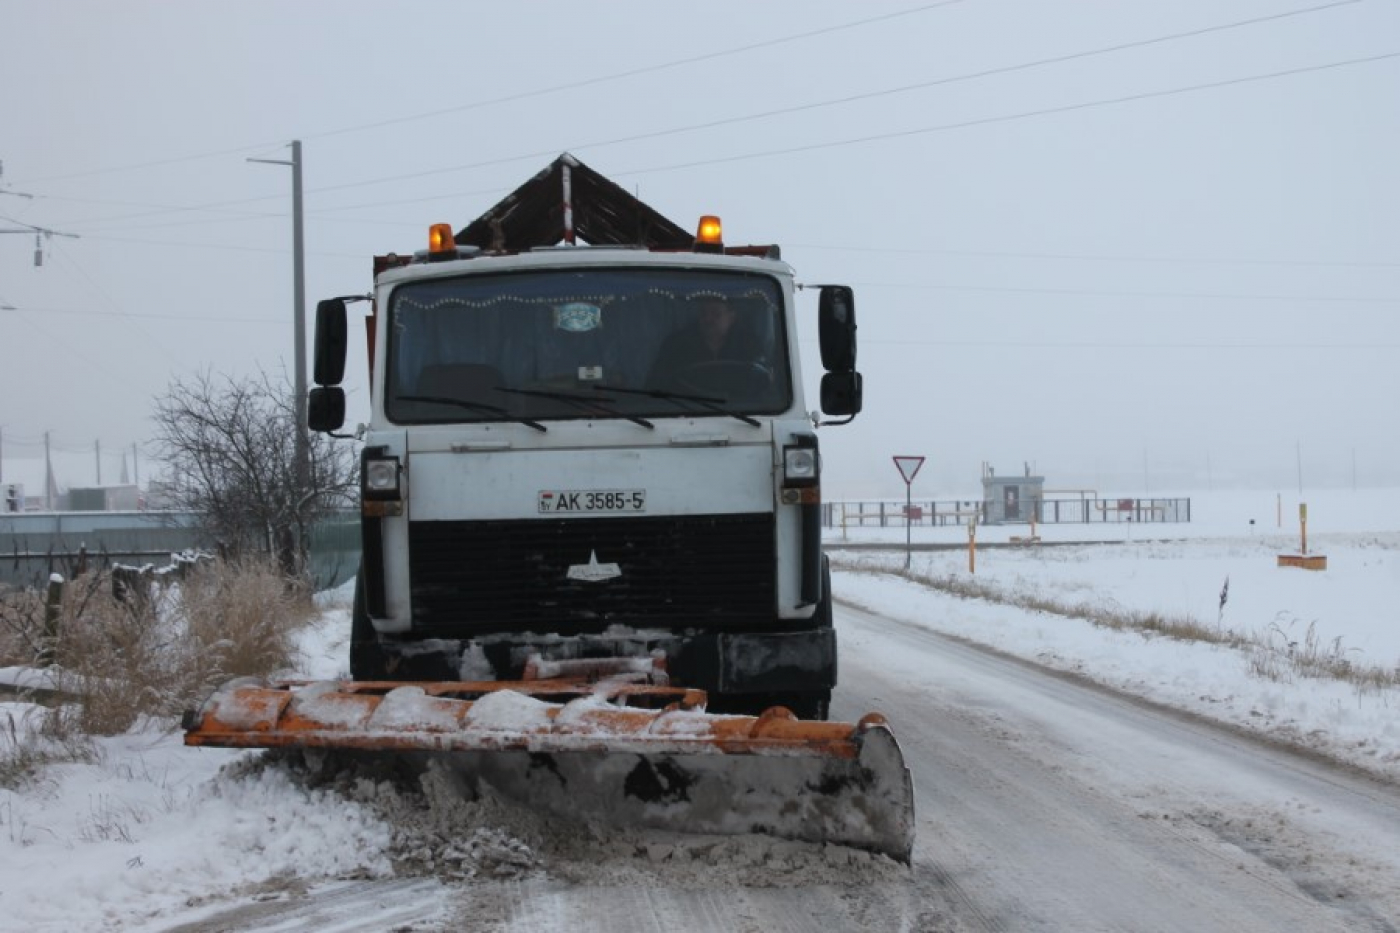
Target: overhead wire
x=1092, y=257
x=1083, y=105
x=848, y=99
x=150, y=315
x=92, y=283
x=524, y=95
x=830, y=144
x=1021, y=66
x=936, y=128
x=1022, y=115
x=1121, y=345
x=1103, y=293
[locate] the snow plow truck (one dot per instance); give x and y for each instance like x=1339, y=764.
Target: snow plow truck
x=592, y=574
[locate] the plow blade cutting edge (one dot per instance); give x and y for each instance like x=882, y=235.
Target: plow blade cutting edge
x=678, y=768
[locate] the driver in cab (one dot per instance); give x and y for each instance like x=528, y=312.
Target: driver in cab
x=690, y=352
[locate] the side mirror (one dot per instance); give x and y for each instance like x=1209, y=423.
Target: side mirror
x=325, y=409
x=841, y=394
x=331, y=342
x=836, y=325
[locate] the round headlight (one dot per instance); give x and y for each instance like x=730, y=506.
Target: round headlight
x=382, y=475
x=800, y=463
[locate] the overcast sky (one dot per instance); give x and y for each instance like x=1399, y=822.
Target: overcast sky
x=1136, y=245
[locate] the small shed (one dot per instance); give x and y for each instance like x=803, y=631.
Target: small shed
x=123, y=498
x=1011, y=499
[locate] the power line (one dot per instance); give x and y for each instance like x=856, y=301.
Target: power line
x=1091, y=257
x=232, y=248
x=650, y=69
x=789, y=246
x=120, y=312
x=183, y=318
x=1007, y=118
x=1121, y=345
x=524, y=95
x=70, y=348
x=1174, y=296
x=955, y=79
x=1021, y=66
x=854, y=98
x=966, y=124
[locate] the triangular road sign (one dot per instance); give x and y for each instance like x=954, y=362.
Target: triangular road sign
x=908, y=466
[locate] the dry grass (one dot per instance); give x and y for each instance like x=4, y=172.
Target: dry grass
x=25, y=749
x=156, y=652
x=1276, y=654
x=1282, y=653
x=1183, y=627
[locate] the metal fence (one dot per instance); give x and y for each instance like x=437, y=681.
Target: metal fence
x=34, y=545
x=936, y=513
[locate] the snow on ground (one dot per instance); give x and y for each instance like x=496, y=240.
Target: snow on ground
x=1349, y=612
x=151, y=829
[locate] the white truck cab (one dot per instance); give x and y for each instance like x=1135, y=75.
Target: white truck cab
x=600, y=451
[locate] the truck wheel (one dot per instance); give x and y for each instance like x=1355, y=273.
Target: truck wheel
x=366, y=655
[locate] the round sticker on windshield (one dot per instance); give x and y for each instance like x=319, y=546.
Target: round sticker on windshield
x=577, y=317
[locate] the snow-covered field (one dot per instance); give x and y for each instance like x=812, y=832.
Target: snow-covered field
x=151, y=831
x=1349, y=612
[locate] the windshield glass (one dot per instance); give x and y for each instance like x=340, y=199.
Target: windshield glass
x=590, y=343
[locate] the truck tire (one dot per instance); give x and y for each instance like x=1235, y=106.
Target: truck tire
x=366, y=655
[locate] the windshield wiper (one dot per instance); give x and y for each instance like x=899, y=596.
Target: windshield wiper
x=471, y=406
x=587, y=403
x=708, y=403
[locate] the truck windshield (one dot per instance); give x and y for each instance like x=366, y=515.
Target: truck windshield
x=587, y=343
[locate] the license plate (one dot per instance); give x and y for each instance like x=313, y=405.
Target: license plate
x=592, y=500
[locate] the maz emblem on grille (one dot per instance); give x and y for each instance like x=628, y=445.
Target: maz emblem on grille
x=594, y=572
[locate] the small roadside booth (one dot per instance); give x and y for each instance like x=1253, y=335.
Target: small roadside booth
x=1011, y=499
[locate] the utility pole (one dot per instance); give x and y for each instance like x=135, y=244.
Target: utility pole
x=40, y=233
x=303, y=444
x=48, y=475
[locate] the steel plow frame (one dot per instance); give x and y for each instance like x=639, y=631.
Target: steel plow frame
x=622, y=752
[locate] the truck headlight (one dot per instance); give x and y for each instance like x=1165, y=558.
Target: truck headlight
x=800, y=464
x=379, y=478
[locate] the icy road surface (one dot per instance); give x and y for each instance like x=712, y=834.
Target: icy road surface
x=1044, y=804
x=1048, y=804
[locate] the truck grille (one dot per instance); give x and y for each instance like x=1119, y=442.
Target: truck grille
x=471, y=578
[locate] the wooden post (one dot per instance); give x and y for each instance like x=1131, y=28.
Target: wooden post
x=1303, y=525
x=972, y=546
x=53, y=605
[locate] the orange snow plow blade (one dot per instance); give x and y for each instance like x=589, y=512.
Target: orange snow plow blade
x=602, y=750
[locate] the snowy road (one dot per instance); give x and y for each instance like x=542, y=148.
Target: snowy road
x=1047, y=804
x=1044, y=804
